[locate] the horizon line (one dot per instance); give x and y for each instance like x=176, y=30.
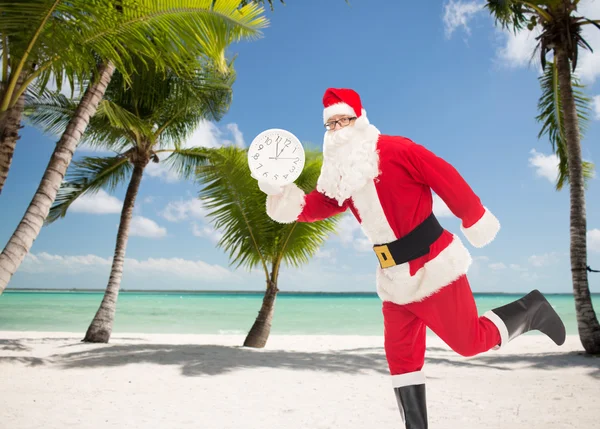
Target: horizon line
x=257, y=292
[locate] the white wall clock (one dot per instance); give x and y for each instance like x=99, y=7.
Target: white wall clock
x=276, y=156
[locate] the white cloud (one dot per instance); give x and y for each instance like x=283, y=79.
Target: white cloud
x=518, y=48
x=543, y=260
x=192, y=209
x=497, y=266
x=458, y=14
x=167, y=267
x=177, y=211
x=206, y=231
x=328, y=255
x=596, y=105
x=161, y=171
x=346, y=228
x=593, y=240
x=44, y=262
x=517, y=267
x=207, y=134
x=98, y=203
x=588, y=65
x=440, y=209
x=144, y=227
x=238, y=137
x=545, y=166
x=363, y=244
x=351, y=234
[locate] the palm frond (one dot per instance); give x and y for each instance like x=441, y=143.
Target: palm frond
x=237, y=207
x=509, y=13
x=174, y=34
x=49, y=111
x=551, y=115
x=87, y=176
x=234, y=202
x=261, y=2
x=300, y=241
x=52, y=111
x=186, y=161
x=117, y=117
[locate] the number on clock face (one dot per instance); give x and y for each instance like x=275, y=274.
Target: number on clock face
x=276, y=157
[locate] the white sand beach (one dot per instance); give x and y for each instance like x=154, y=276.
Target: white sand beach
x=52, y=380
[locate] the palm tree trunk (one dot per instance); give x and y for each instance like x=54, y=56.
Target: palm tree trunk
x=22, y=239
x=10, y=124
x=587, y=322
x=101, y=327
x=259, y=333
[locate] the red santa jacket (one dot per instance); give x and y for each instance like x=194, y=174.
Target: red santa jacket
x=392, y=205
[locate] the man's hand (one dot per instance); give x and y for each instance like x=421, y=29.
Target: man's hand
x=270, y=189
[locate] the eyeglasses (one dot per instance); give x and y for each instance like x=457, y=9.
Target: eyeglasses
x=342, y=121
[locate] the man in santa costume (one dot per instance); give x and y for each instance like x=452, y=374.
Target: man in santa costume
x=387, y=183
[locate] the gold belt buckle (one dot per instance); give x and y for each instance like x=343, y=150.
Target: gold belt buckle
x=385, y=257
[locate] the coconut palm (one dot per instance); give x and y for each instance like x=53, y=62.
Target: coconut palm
x=562, y=110
x=142, y=121
x=64, y=39
x=250, y=237
x=173, y=34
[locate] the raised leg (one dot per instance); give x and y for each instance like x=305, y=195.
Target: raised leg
x=532, y=312
x=451, y=313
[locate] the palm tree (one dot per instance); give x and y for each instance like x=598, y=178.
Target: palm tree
x=562, y=108
x=251, y=238
x=174, y=34
x=141, y=120
x=64, y=39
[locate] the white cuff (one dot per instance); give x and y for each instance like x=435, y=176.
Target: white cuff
x=287, y=206
x=408, y=379
x=504, y=337
x=483, y=231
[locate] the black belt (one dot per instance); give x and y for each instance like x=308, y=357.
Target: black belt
x=413, y=245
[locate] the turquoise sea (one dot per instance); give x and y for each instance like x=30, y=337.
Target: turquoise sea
x=221, y=313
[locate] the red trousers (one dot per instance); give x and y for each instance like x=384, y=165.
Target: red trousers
x=450, y=313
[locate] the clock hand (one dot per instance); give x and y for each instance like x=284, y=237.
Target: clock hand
x=272, y=157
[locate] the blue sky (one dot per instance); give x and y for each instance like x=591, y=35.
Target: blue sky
x=437, y=72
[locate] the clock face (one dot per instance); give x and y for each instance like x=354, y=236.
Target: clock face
x=276, y=156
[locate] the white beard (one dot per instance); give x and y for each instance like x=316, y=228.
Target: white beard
x=350, y=159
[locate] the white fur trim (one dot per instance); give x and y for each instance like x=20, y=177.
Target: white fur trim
x=493, y=317
x=287, y=206
x=337, y=109
x=373, y=220
x=395, y=283
x=408, y=379
x=483, y=231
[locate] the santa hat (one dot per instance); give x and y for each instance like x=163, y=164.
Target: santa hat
x=341, y=101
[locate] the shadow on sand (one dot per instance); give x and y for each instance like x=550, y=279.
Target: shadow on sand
x=196, y=360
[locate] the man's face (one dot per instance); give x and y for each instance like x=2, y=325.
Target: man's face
x=339, y=121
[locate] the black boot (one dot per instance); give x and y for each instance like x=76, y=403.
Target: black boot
x=532, y=312
x=412, y=405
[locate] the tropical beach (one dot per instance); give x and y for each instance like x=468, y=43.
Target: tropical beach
x=299, y=214
x=315, y=371
x=164, y=380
